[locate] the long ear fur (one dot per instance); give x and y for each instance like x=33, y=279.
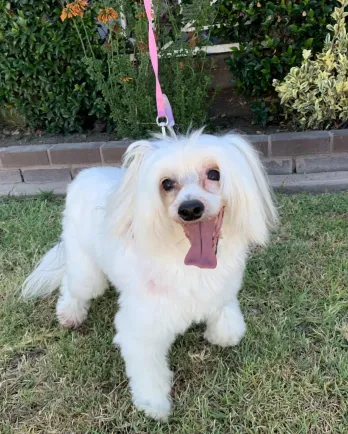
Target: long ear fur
x=255, y=196
x=122, y=201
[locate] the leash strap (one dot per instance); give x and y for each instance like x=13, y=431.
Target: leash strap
x=165, y=116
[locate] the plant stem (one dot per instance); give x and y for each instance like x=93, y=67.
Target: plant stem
x=87, y=37
x=81, y=40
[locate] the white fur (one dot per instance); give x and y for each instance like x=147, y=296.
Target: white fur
x=48, y=274
x=117, y=227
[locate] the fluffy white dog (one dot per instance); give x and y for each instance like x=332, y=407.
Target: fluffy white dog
x=171, y=231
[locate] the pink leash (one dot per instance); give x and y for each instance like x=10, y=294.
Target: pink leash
x=165, y=116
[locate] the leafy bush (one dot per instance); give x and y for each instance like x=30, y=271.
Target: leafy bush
x=9, y=117
x=315, y=95
x=127, y=84
x=60, y=86
x=265, y=111
x=272, y=35
x=42, y=74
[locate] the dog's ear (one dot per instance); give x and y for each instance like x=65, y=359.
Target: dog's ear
x=252, y=201
x=122, y=201
x=135, y=153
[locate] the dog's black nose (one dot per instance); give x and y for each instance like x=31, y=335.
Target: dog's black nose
x=191, y=210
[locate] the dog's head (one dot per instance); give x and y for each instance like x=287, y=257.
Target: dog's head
x=195, y=188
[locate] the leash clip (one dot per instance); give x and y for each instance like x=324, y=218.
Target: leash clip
x=162, y=124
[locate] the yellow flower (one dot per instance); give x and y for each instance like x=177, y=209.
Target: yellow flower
x=126, y=79
x=107, y=14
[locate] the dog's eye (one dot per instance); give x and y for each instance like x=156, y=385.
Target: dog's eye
x=168, y=184
x=213, y=175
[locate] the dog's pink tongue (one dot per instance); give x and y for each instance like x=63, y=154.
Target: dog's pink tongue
x=201, y=252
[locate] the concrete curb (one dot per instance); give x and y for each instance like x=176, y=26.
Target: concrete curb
x=311, y=183
x=289, y=158
x=23, y=189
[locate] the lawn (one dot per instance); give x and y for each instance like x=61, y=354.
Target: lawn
x=288, y=375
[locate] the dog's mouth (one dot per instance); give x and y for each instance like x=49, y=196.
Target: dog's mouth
x=204, y=237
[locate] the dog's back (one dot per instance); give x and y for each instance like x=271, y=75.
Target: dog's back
x=85, y=205
x=91, y=188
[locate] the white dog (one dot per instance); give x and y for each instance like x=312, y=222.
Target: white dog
x=171, y=231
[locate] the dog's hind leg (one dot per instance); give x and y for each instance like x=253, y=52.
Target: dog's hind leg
x=82, y=282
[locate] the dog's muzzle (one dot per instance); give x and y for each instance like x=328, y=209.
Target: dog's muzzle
x=191, y=210
x=203, y=234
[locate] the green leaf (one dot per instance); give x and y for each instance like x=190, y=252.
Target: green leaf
x=294, y=28
x=309, y=43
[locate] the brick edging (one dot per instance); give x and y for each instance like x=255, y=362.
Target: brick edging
x=283, y=154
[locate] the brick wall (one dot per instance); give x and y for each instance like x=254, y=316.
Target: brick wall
x=287, y=156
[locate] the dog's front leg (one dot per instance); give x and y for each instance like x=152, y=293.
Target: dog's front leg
x=144, y=348
x=226, y=327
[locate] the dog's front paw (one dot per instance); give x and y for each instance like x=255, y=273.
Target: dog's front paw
x=71, y=313
x=158, y=409
x=228, y=329
x=224, y=339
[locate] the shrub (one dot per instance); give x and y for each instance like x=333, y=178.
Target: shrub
x=315, y=95
x=272, y=35
x=127, y=83
x=42, y=74
x=60, y=86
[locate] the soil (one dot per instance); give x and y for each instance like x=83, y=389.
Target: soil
x=229, y=112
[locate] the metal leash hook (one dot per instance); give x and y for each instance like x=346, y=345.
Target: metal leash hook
x=162, y=124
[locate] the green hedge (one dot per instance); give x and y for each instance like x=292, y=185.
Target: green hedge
x=41, y=70
x=46, y=76
x=272, y=35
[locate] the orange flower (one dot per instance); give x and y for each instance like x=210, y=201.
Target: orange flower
x=107, y=14
x=74, y=9
x=126, y=79
x=192, y=42
x=142, y=47
x=82, y=3
x=143, y=15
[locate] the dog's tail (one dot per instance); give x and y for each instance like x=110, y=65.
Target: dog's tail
x=47, y=275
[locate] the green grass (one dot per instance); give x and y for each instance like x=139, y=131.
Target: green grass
x=289, y=374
